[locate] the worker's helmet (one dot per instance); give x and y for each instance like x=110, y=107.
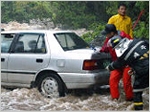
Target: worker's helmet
x=119, y=44
x=114, y=41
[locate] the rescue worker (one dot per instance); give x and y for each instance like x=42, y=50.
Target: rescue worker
x=117, y=74
x=134, y=53
x=122, y=21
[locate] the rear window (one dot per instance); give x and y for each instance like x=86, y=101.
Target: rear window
x=70, y=41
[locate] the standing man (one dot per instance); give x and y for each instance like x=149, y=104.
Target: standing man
x=117, y=74
x=122, y=21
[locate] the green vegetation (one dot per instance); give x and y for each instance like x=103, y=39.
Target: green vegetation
x=92, y=15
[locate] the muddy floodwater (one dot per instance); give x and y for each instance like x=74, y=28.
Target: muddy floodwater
x=32, y=100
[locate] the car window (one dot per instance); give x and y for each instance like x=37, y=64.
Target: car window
x=6, y=40
x=70, y=41
x=30, y=43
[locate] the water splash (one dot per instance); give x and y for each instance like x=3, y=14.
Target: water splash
x=32, y=100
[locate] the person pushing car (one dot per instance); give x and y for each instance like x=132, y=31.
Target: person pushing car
x=134, y=53
x=117, y=74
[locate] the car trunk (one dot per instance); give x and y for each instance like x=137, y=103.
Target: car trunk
x=103, y=59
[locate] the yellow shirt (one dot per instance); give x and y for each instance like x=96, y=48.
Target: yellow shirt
x=122, y=23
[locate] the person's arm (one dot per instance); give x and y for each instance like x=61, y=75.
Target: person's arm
x=124, y=35
x=116, y=64
x=105, y=46
x=111, y=20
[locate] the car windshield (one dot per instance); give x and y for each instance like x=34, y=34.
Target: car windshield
x=70, y=41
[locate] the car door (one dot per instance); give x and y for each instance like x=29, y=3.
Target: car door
x=6, y=41
x=28, y=56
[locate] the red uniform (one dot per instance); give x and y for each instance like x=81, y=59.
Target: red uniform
x=117, y=74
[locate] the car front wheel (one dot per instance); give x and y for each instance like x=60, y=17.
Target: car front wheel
x=51, y=86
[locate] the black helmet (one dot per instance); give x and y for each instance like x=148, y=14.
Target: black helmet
x=109, y=28
x=114, y=41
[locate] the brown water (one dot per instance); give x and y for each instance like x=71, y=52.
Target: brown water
x=31, y=99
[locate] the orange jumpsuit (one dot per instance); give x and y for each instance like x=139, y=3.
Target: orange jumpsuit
x=117, y=74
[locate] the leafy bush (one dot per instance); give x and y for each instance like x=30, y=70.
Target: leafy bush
x=141, y=30
x=96, y=32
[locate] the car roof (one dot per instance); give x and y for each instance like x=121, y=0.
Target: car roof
x=37, y=31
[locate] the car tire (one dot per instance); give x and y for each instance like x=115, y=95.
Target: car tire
x=50, y=85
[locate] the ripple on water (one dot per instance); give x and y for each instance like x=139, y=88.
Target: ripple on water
x=31, y=99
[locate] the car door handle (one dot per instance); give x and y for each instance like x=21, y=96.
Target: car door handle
x=39, y=60
x=2, y=59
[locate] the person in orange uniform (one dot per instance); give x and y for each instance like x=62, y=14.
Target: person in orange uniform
x=122, y=21
x=117, y=74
